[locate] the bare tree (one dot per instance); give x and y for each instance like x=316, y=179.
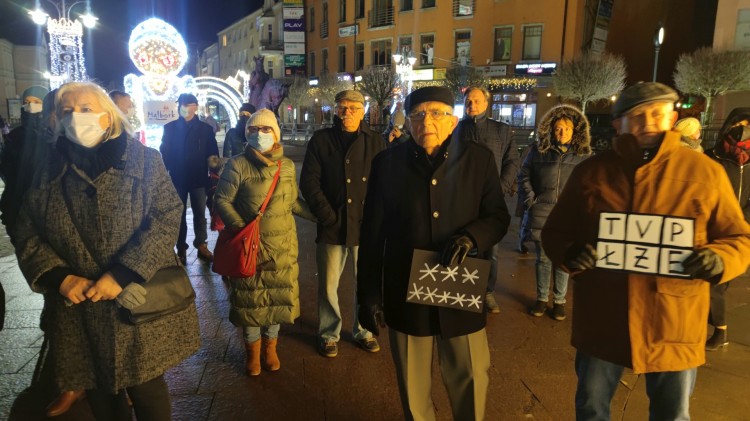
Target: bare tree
x=378, y=84
x=710, y=73
x=590, y=77
x=458, y=78
x=328, y=86
x=298, y=91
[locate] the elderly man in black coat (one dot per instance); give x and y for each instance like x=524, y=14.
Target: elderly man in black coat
x=435, y=193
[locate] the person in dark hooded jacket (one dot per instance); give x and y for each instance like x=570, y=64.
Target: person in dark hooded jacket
x=732, y=151
x=234, y=141
x=563, y=142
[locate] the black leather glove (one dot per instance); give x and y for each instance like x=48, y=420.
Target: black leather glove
x=581, y=259
x=132, y=296
x=455, y=250
x=371, y=318
x=703, y=264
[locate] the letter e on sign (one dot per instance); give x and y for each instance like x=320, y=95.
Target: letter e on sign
x=671, y=260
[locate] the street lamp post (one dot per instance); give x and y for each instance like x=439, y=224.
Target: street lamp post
x=658, y=40
x=404, y=63
x=65, y=40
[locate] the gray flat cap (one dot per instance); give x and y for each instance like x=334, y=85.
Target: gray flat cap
x=642, y=93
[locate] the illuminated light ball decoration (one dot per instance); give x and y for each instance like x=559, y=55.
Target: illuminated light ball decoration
x=158, y=51
x=66, y=51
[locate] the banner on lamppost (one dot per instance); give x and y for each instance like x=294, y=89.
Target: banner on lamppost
x=293, y=12
x=294, y=48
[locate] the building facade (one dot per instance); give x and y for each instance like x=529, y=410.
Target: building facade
x=21, y=66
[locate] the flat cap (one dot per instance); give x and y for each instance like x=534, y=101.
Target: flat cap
x=427, y=94
x=187, y=99
x=642, y=93
x=250, y=108
x=350, y=95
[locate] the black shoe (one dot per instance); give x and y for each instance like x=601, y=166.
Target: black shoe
x=522, y=248
x=182, y=254
x=538, y=309
x=717, y=340
x=558, y=312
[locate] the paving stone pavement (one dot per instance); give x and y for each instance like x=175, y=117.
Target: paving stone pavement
x=531, y=374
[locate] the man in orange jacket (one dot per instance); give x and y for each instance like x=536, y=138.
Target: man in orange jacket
x=649, y=314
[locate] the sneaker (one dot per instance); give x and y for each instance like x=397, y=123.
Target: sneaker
x=204, y=253
x=558, y=311
x=182, y=255
x=490, y=304
x=328, y=349
x=539, y=308
x=369, y=344
x=717, y=340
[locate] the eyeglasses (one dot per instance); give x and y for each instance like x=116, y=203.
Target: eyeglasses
x=264, y=129
x=435, y=114
x=352, y=110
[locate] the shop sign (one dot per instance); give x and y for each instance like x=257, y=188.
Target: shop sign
x=294, y=48
x=495, y=71
x=348, y=31
x=293, y=12
x=533, y=69
x=294, y=60
x=423, y=74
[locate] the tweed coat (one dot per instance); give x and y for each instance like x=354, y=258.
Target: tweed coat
x=129, y=215
x=412, y=204
x=648, y=322
x=271, y=296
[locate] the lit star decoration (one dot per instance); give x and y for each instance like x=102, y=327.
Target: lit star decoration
x=444, y=297
x=416, y=292
x=430, y=294
x=470, y=277
x=449, y=273
x=476, y=300
x=429, y=271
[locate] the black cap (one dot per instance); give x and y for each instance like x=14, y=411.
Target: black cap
x=642, y=93
x=187, y=99
x=247, y=107
x=427, y=94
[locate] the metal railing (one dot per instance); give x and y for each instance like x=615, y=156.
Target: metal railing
x=272, y=45
x=324, y=29
x=380, y=17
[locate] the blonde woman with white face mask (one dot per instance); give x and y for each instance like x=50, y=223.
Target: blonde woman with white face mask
x=101, y=223
x=260, y=303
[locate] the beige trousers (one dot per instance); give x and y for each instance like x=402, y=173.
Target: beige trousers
x=464, y=363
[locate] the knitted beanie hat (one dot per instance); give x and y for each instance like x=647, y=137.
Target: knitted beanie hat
x=688, y=126
x=265, y=117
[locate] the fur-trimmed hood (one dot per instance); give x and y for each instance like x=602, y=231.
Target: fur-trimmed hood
x=580, y=144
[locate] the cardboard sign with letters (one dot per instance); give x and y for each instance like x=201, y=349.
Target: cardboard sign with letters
x=461, y=287
x=644, y=243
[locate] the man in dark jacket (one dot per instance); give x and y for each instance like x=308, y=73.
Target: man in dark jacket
x=188, y=147
x=234, y=141
x=333, y=181
x=477, y=127
x=433, y=192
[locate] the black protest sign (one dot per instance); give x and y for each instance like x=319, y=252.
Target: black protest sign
x=461, y=287
x=644, y=243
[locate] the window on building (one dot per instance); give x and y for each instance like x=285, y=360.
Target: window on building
x=359, y=56
x=324, y=22
x=324, y=55
x=359, y=9
x=516, y=109
x=428, y=3
x=312, y=63
x=342, y=58
x=224, y=40
x=407, y=5
x=463, y=7
x=269, y=68
x=381, y=52
x=342, y=10
x=463, y=47
x=312, y=19
x=503, y=38
x=405, y=46
x=381, y=13
x=532, y=42
x=270, y=33
x=426, y=49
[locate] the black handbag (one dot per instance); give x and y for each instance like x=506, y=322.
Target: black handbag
x=168, y=291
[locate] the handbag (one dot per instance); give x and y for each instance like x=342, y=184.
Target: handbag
x=235, y=255
x=168, y=291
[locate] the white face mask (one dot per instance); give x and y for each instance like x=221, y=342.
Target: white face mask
x=260, y=141
x=33, y=107
x=184, y=112
x=130, y=114
x=84, y=128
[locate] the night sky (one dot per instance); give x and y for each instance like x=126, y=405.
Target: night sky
x=106, y=49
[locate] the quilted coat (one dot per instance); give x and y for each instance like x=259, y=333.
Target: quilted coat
x=129, y=216
x=271, y=296
x=648, y=322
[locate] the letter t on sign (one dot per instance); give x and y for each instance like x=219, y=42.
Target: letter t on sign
x=612, y=226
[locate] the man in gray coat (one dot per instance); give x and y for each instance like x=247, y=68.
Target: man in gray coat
x=477, y=127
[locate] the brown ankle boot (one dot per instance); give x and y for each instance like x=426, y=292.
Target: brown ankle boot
x=271, y=362
x=252, y=364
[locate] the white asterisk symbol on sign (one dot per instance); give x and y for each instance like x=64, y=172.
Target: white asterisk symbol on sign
x=475, y=301
x=444, y=297
x=449, y=273
x=416, y=292
x=430, y=295
x=459, y=299
x=470, y=277
x=429, y=271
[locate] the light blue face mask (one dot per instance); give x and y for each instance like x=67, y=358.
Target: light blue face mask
x=260, y=141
